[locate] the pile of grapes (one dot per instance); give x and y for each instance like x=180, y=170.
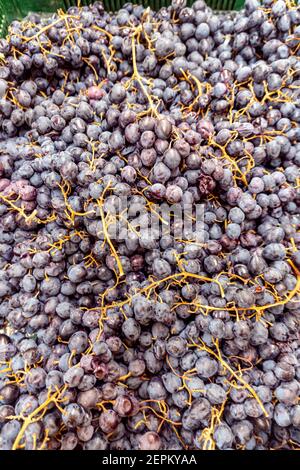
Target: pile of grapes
x=185, y=336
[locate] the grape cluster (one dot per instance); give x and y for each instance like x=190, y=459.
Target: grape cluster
x=186, y=337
